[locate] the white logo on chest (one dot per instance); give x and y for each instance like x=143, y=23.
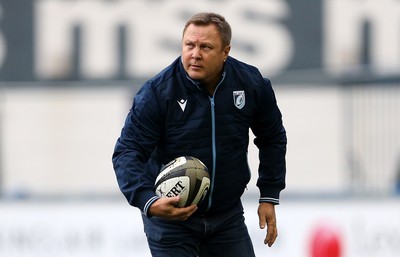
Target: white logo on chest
x=182, y=103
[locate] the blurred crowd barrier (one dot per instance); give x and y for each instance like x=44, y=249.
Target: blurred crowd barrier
x=343, y=140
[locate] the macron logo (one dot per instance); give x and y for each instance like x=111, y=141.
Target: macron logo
x=182, y=104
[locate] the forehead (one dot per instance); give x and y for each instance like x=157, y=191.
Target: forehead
x=201, y=33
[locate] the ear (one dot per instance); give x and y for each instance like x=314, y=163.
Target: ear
x=226, y=51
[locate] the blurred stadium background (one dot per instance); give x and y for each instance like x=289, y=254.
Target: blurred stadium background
x=69, y=70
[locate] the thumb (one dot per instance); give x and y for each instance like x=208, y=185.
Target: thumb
x=262, y=219
x=174, y=200
x=262, y=223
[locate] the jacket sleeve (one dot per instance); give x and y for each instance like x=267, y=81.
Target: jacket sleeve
x=270, y=138
x=138, y=139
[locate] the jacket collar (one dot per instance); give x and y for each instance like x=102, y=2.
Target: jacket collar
x=197, y=84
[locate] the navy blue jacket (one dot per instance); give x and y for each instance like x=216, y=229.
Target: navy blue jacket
x=173, y=115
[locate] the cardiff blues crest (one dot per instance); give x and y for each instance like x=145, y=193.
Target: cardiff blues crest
x=239, y=99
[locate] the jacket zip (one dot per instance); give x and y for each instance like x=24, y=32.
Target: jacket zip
x=214, y=146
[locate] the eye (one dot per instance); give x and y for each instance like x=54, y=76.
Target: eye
x=207, y=47
x=190, y=45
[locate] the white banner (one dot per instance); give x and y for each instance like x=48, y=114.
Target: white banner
x=85, y=229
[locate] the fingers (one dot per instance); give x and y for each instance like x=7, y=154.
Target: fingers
x=181, y=213
x=272, y=234
x=166, y=208
x=267, y=218
x=185, y=212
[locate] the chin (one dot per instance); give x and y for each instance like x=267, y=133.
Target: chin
x=195, y=76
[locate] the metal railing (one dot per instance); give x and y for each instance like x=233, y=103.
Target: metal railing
x=372, y=132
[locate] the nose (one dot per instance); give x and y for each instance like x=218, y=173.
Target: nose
x=196, y=53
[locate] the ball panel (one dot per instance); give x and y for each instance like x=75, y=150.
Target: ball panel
x=202, y=192
x=196, y=176
x=185, y=176
x=171, y=174
x=174, y=187
x=172, y=165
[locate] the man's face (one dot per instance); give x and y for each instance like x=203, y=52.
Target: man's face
x=202, y=54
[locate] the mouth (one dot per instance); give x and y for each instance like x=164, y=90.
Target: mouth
x=196, y=67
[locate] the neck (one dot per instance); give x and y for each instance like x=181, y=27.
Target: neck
x=211, y=87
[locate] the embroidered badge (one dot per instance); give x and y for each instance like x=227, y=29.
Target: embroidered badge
x=239, y=99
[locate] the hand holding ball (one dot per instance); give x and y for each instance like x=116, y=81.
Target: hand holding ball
x=185, y=176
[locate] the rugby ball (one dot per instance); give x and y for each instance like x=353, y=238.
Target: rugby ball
x=186, y=176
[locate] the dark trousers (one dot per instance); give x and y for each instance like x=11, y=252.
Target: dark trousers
x=215, y=236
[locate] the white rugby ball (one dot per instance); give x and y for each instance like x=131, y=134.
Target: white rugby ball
x=186, y=176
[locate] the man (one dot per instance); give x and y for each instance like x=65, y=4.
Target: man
x=203, y=105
